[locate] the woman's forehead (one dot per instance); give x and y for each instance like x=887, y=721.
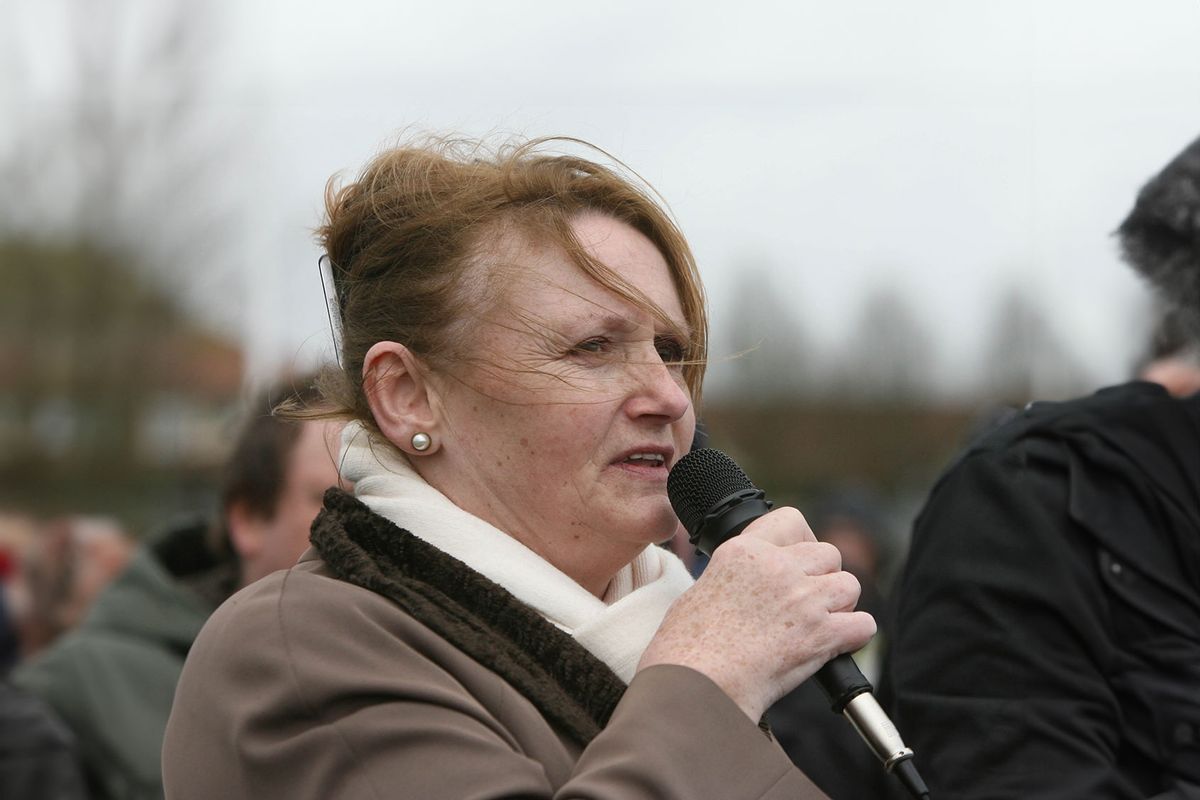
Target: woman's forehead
x=538, y=272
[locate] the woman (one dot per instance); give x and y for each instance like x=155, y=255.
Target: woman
x=488, y=617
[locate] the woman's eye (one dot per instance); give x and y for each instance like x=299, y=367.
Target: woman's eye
x=669, y=350
x=597, y=345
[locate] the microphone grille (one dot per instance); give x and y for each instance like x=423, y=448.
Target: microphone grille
x=699, y=481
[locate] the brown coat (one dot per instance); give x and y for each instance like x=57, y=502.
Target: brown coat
x=309, y=684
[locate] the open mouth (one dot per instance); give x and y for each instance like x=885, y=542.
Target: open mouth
x=646, y=459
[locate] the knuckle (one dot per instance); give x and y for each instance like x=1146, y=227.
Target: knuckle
x=818, y=558
x=796, y=523
x=789, y=515
x=830, y=555
x=860, y=628
x=809, y=593
x=840, y=589
x=734, y=549
x=848, y=587
x=732, y=553
x=850, y=583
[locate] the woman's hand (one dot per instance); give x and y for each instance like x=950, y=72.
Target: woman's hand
x=770, y=609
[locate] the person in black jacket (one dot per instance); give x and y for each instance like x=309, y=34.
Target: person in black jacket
x=1047, y=640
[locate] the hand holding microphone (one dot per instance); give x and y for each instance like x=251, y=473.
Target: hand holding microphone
x=772, y=609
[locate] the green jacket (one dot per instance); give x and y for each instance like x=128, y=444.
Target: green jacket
x=112, y=679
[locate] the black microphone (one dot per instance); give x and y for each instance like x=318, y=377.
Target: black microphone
x=715, y=501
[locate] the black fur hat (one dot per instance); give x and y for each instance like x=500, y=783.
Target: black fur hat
x=1161, y=236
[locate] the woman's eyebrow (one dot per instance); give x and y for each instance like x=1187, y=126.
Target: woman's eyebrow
x=608, y=320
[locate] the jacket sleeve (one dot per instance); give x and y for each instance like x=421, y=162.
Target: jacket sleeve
x=315, y=700
x=675, y=734
x=1002, y=651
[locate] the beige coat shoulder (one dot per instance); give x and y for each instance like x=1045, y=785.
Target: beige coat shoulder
x=304, y=686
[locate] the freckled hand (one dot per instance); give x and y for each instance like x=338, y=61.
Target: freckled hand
x=715, y=501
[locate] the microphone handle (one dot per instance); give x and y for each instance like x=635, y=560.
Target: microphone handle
x=849, y=694
x=842, y=681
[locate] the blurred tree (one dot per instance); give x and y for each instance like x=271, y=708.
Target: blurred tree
x=1023, y=358
x=772, y=360
x=889, y=355
x=110, y=244
x=108, y=140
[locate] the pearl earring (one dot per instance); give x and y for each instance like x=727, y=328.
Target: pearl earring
x=421, y=442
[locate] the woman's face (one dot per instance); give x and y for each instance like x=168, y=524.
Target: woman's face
x=571, y=408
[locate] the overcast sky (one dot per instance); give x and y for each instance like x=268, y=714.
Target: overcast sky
x=948, y=149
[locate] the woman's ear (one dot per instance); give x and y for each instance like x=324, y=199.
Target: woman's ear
x=400, y=397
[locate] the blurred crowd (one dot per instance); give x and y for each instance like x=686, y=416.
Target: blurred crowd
x=95, y=622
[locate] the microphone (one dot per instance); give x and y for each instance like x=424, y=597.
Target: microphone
x=715, y=501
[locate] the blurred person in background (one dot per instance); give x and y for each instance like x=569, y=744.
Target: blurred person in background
x=55, y=570
x=112, y=680
x=854, y=521
x=1047, y=637
x=489, y=615
x=60, y=575
x=819, y=742
x=274, y=484
x=48, y=576
x=17, y=532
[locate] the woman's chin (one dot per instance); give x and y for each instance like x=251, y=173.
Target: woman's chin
x=655, y=525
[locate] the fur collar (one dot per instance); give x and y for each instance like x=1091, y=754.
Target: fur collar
x=575, y=690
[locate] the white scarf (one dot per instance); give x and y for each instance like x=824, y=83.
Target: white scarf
x=616, y=629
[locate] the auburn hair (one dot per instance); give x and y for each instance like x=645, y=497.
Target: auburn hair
x=407, y=238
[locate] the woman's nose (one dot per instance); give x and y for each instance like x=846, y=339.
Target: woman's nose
x=660, y=391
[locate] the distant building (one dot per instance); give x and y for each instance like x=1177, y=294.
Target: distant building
x=101, y=366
